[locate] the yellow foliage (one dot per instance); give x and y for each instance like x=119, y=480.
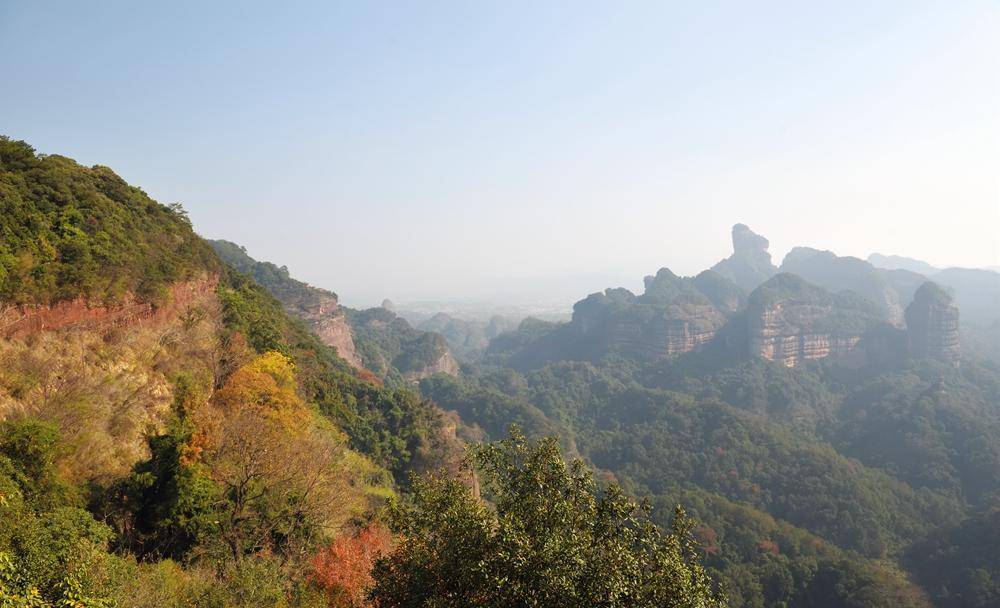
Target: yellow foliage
x=266, y=384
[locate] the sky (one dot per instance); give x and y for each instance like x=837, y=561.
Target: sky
x=471, y=149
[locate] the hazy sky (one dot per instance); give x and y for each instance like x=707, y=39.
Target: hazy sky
x=434, y=149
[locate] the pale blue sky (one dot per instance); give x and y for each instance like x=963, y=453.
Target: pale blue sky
x=441, y=149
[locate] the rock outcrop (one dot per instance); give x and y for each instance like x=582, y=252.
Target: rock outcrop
x=444, y=363
x=817, y=306
x=319, y=308
x=391, y=347
x=750, y=265
x=792, y=321
x=932, y=324
x=672, y=316
x=84, y=314
x=329, y=322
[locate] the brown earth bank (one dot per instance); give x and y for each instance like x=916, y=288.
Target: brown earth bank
x=81, y=313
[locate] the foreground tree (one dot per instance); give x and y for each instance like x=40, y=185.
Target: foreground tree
x=551, y=541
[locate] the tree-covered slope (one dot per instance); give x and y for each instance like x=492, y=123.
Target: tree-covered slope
x=375, y=338
x=199, y=456
x=68, y=230
x=864, y=461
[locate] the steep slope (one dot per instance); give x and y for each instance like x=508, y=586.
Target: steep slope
x=69, y=231
x=156, y=404
x=672, y=316
x=374, y=339
x=393, y=349
x=932, y=324
x=750, y=264
x=317, y=307
x=792, y=321
x=976, y=290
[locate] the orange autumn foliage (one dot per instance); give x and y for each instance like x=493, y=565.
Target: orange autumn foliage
x=344, y=569
x=368, y=376
x=768, y=546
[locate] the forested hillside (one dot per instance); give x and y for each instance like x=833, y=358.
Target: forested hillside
x=837, y=451
x=375, y=339
x=171, y=436
x=180, y=430
x=69, y=231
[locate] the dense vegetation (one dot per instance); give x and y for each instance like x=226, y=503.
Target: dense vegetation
x=394, y=426
x=221, y=455
x=386, y=344
x=552, y=541
x=810, y=483
x=248, y=476
x=391, y=347
x=68, y=230
x=960, y=566
x=467, y=338
x=292, y=293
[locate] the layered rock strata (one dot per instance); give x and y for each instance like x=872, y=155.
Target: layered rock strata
x=82, y=313
x=932, y=322
x=791, y=321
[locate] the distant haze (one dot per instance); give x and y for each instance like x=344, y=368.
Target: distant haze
x=520, y=149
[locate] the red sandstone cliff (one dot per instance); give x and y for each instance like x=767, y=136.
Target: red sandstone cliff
x=80, y=313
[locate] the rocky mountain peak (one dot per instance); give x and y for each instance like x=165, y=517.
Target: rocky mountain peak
x=750, y=265
x=748, y=242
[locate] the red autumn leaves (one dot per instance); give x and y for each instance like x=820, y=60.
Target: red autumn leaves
x=344, y=568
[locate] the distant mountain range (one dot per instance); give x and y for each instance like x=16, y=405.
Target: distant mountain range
x=814, y=306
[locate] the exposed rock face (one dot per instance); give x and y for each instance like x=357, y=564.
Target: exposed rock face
x=80, y=313
x=773, y=336
x=330, y=324
x=319, y=308
x=103, y=372
x=750, y=265
x=445, y=363
x=932, y=323
x=791, y=321
x=672, y=316
x=390, y=346
x=667, y=334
